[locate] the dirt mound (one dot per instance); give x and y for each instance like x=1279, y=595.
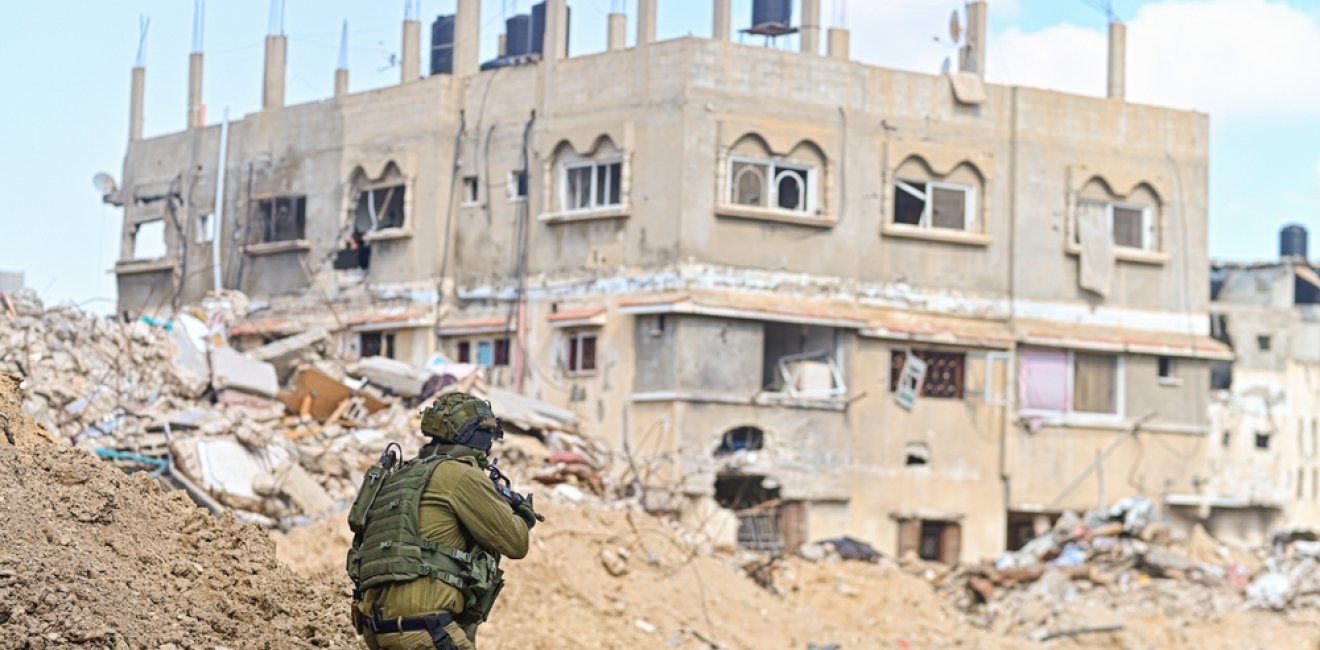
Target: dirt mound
x=90, y=557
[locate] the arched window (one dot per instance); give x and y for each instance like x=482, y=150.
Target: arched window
x=591, y=181
x=1131, y=219
x=924, y=199
x=740, y=439
x=759, y=178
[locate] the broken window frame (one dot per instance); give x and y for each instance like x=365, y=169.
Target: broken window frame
x=577, y=361
x=608, y=197
x=789, y=376
x=469, y=350
x=386, y=345
x=927, y=188
x=271, y=224
x=774, y=170
x=137, y=232
x=205, y=228
x=1120, y=386
x=368, y=193
x=1148, y=239
x=896, y=375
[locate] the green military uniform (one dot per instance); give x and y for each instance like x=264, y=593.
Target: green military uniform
x=459, y=509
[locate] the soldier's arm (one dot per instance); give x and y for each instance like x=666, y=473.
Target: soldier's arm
x=488, y=518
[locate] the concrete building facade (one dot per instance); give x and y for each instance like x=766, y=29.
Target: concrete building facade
x=922, y=310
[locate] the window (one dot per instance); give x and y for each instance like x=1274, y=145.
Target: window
x=1262, y=440
x=1263, y=342
x=1131, y=225
x=934, y=205
x=517, y=185
x=149, y=240
x=1166, y=367
x=801, y=361
x=205, y=228
x=916, y=454
x=944, y=372
x=592, y=185
x=484, y=352
x=581, y=352
x=379, y=208
x=1062, y=381
x=936, y=541
x=376, y=344
x=280, y=218
x=771, y=184
x=471, y=190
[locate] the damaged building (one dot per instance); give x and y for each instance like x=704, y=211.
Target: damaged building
x=1263, y=458
x=918, y=309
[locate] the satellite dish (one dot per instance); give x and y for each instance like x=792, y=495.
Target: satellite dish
x=955, y=27
x=104, y=183
x=946, y=66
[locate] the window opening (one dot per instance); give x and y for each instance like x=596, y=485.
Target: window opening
x=501, y=352
x=934, y=204
x=205, y=228
x=1301, y=482
x=1262, y=440
x=471, y=190
x=149, y=240
x=1062, y=381
x=1264, y=342
x=593, y=185
x=1166, y=367
x=356, y=253
x=376, y=344
x=916, y=454
x=740, y=439
x=581, y=352
x=281, y=218
x=801, y=361
x=463, y=353
x=931, y=540
x=944, y=372
x=518, y=184
x=485, y=353
x=1130, y=225
x=771, y=184
x=379, y=208
x=657, y=325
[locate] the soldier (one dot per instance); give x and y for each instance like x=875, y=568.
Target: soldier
x=428, y=534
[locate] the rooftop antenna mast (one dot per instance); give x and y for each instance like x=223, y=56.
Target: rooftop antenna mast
x=199, y=21
x=276, y=26
x=144, y=21
x=840, y=13
x=343, y=46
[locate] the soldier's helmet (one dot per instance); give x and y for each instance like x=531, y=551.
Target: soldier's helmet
x=448, y=418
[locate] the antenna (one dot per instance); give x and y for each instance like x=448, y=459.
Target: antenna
x=343, y=46
x=199, y=19
x=955, y=27
x=276, y=26
x=144, y=21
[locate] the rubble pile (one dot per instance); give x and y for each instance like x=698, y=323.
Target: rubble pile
x=279, y=435
x=93, y=558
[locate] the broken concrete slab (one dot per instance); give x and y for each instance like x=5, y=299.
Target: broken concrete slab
x=395, y=376
x=231, y=370
x=288, y=353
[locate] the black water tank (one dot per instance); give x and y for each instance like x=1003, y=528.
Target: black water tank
x=518, y=35
x=538, y=27
x=766, y=12
x=442, y=45
x=1292, y=241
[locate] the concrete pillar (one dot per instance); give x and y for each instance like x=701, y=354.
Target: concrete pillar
x=196, y=113
x=272, y=87
x=618, y=31
x=341, y=82
x=645, y=21
x=1117, y=60
x=722, y=21
x=135, y=103
x=972, y=56
x=555, y=45
x=467, y=38
x=810, y=30
x=838, y=45
x=411, y=56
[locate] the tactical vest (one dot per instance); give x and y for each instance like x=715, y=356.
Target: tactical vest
x=388, y=547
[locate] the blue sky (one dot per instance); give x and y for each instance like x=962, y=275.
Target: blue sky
x=1254, y=65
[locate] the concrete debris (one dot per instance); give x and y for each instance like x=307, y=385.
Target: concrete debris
x=277, y=455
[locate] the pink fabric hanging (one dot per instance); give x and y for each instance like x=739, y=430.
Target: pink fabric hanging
x=1043, y=380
